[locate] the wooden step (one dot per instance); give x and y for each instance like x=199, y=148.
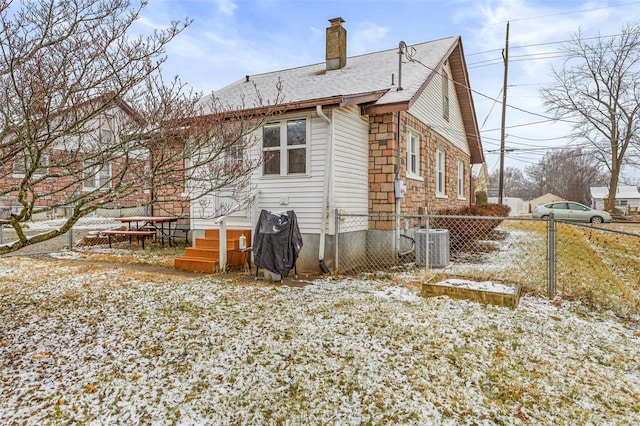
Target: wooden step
x=232, y=234
x=196, y=264
x=204, y=256
x=202, y=253
x=207, y=243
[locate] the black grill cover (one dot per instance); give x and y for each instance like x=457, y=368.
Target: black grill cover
x=277, y=242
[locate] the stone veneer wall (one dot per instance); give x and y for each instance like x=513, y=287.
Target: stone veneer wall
x=382, y=167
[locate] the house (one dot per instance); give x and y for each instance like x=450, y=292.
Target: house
x=627, y=198
x=480, y=179
x=77, y=154
x=544, y=199
x=385, y=133
x=517, y=205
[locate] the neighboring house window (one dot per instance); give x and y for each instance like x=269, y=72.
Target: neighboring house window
x=440, y=172
x=234, y=154
x=96, y=176
x=413, y=154
x=107, y=129
x=460, y=179
x=106, y=136
x=284, y=146
x=22, y=163
x=445, y=95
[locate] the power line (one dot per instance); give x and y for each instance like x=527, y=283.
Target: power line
x=411, y=59
x=574, y=11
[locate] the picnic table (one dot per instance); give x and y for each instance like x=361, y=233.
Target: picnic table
x=143, y=225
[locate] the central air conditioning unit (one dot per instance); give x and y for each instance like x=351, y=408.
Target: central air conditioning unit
x=438, y=249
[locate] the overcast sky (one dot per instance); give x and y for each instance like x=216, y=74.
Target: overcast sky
x=232, y=38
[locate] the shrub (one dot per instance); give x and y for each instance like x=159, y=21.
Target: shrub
x=481, y=197
x=465, y=231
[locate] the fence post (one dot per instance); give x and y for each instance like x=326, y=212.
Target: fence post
x=1, y=234
x=551, y=258
x=427, y=263
x=337, y=238
x=70, y=239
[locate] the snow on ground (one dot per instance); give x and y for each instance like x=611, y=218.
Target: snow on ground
x=95, y=345
x=479, y=285
x=87, y=222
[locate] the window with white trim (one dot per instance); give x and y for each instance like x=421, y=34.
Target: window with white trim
x=234, y=154
x=22, y=163
x=284, y=146
x=461, y=173
x=96, y=176
x=107, y=129
x=413, y=154
x=440, y=172
x=445, y=95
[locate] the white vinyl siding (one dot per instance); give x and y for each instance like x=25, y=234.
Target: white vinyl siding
x=428, y=109
x=440, y=173
x=351, y=160
x=304, y=194
x=300, y=192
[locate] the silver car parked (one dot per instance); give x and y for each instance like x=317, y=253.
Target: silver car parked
x=569, y=210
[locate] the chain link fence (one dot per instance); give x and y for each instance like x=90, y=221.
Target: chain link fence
x=598, y=264
x=472, y=247
x=85, y=232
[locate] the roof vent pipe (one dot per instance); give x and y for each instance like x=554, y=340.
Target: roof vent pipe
x=402, y=46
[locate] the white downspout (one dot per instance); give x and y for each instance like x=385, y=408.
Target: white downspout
x=325, y=195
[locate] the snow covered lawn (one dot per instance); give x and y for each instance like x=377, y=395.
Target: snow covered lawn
x=106, y=345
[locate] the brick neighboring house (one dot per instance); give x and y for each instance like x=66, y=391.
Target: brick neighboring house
x=351, y=132
x=54, y=185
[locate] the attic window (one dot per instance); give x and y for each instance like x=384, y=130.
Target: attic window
x=445, y=95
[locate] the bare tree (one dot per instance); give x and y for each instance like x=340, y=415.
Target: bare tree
x=567, y=173
x=515, y=183
x=598, y=89
x=87, y=120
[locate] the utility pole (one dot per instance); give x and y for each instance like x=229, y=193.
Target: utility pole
x=505, y=57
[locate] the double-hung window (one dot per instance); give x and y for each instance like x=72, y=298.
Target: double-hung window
x=284, y=146
x=413, y=154
x=234, y=155
x=96, y=176
x=22, y=163
x=440, y=173
x=461, y=179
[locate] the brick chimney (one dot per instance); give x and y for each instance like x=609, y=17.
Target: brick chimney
x=336, y=45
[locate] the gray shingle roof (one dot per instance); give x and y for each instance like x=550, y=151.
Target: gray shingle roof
x=362, y=74
x=623, y=192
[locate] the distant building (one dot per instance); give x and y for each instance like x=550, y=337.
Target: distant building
x=544, y=199
x=518, y=205
x=627, y=198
